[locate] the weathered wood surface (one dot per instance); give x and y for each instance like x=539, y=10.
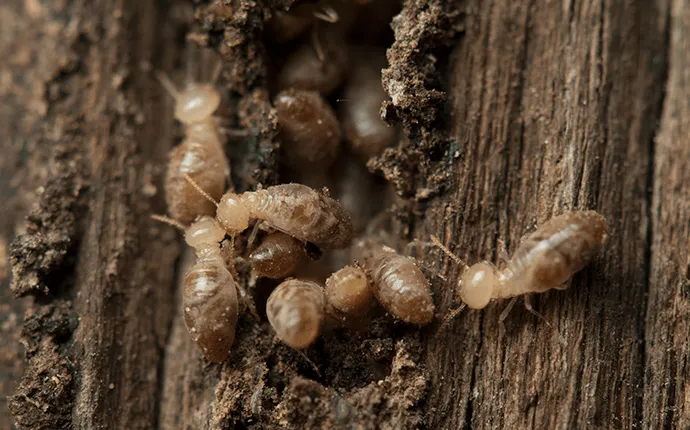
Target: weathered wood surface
x=552, y=106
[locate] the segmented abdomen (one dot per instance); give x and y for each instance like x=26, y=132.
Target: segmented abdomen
x=295, y=310
x=210, y=309
x=401, y=288
x=303, y=213
x=556, y=251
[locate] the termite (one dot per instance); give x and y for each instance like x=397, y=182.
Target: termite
x=364, y=129
x=295, y=310
x=315, y=68
x=286, y=26
x=200, y=155
x=546, y=259
x=278, y=256
x=400, y=286
x=309, y=129
x=294, y=209
x=209, y=297
x=349, y=295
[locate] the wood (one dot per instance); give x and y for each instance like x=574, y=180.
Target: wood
x=550, y=106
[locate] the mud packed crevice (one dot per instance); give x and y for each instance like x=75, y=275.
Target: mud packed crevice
x=369, y=379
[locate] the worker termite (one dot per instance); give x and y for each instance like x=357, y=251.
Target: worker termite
x=364, y=129
x=321, y=67
x=546, y=259
x=209, y=297
x=200, y=155
x=295, y=310
x=294, y=209
x=400, y=286
x=349, y=295
x=278, y=256
x=286, y=26
x=309, y=129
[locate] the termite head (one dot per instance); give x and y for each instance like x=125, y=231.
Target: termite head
x=196, y=103
x=478, y=284
x=205, y=230
x=232, y=214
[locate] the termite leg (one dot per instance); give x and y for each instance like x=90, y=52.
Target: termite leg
x=255, y=230
x=528, y=306
x=247, y=302
x=563, y=286
x=507, y=310
x=316, y=42
x=234, y=132
x=328, y=14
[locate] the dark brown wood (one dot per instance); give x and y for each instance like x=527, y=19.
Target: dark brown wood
x=549, y=106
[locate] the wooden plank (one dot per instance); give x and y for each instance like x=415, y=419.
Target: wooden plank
x=667, y=340
x=555, y=106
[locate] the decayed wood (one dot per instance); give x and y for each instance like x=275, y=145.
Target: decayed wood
x=100, y=119
x=667, y=329
x=554, y=106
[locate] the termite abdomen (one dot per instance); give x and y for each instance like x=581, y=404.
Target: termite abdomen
x=401, y=287
x=210, y=309
x=207, y=166
x=209, y=297
x=309, y=129
x=364, y=129
x=295, y=310
x=278, y=256
x=348, y=294
x=299, y=211
x=304, y=70
x=558, y=249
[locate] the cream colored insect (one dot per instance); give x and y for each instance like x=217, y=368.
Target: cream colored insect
x=209, y=297
x=400, y=286
x=349, y=295
x=364, y=129
x=546, y=259
x=295, y=310
x=294, y=209
x=309, y=129
x=200, y=155
x=278, y=256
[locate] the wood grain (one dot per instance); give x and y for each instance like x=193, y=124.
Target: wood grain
x=667, y=329
x=551, y=106
x=555, y=106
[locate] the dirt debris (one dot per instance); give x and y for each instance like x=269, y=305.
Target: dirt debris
x=51, y=229
x=44, y=398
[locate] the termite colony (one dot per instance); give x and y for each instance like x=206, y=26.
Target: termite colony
x=327, y=96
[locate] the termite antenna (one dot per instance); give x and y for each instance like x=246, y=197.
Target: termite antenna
x=447, y=251
x=169, y=221
x=216, y=72
x=168, y=84
x=451, y=316
x=328, y=14
x=198, y=188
